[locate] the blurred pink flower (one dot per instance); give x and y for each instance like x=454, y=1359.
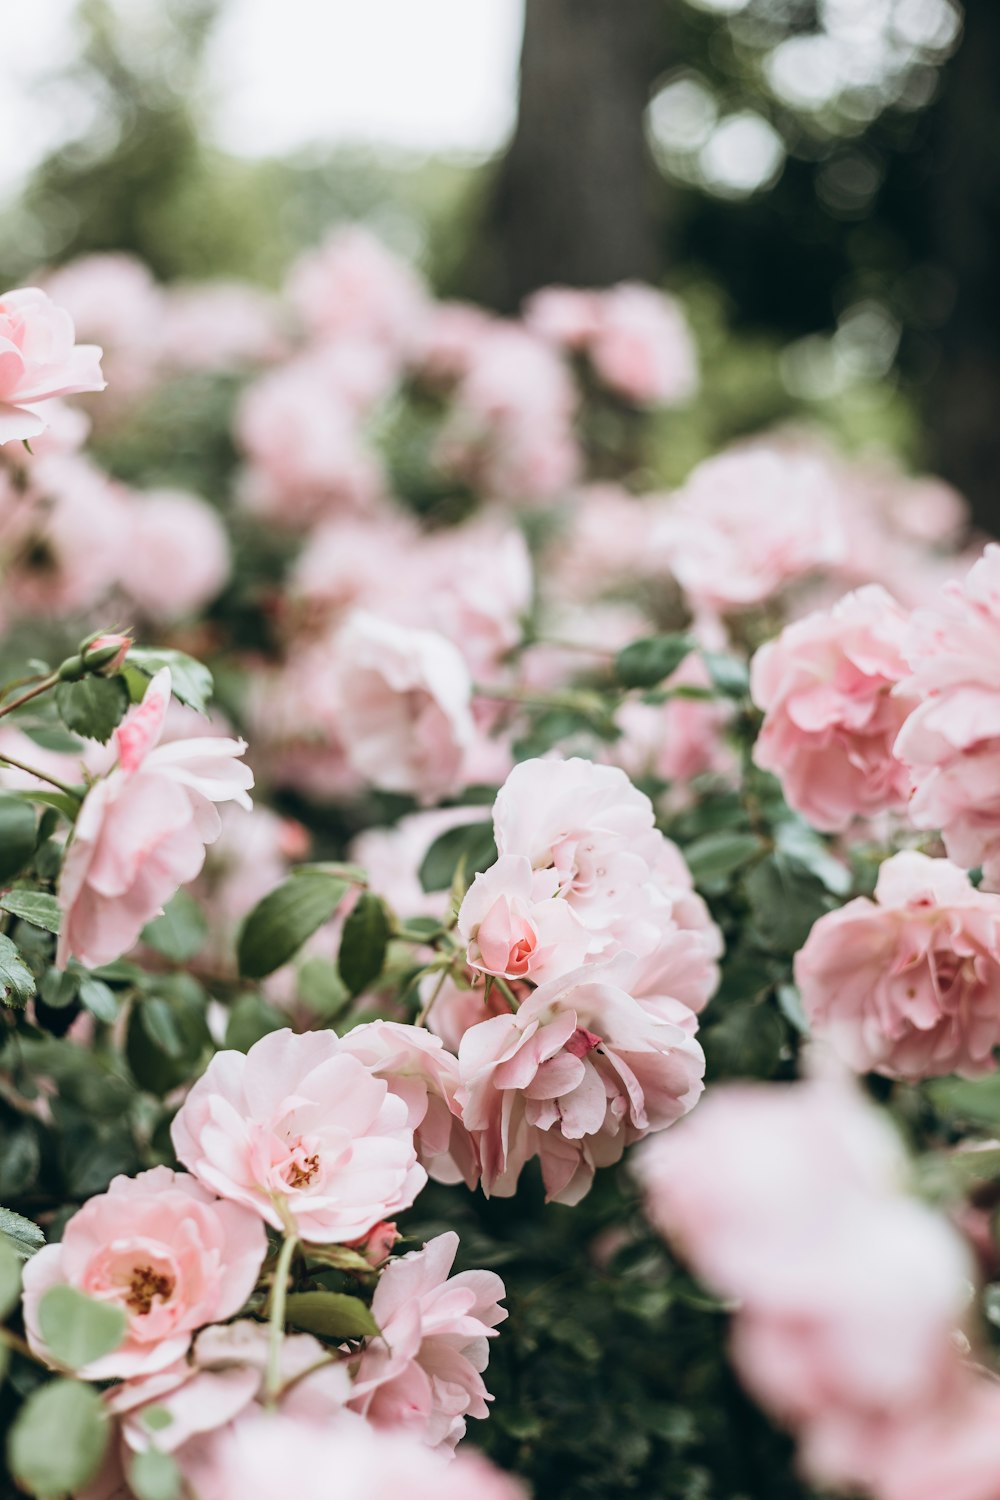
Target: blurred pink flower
x=168, y=1253
x=352, y=287
x=424, y=1374
x=299, y=1130
x=39, y=359
x=178, y=555
x=642, y=347
x=827, y=686
x=142, y=830
x=908, y=984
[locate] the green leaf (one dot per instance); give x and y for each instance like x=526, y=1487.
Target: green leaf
x=785, y=900
x=92, y=707
x=60, y=987
x=975, y=1100
x=190, y=680
x=746, y=1043
x=154, y=1476
x=99, y=999
x=471, y=845
x=10, y=1278
x=364, y=943
x=331, y=1315
x=166, y=1037
x=645, y=663
x=274, y=931
x=20, y=1233
x=180, y=931
x=77, y=1329
x=17, y=984
x=321, y=988
x=36, y=907
x=730, y=675
x=717, y=855
x=57, y=1443
x=17, y=835
x=249, y=1019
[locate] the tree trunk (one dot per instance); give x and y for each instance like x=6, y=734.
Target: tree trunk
x=576, y=197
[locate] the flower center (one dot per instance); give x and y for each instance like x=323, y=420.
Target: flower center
x=145, y=1286
x=301, y=1170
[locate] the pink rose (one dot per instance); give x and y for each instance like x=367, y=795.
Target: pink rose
x=142, y=830
x=577, y=1073
x=951, y=1452
x=405, y=718
x=679, y=739
x=268, y=1454
x=589, y=836
x=642, y=346
x=39, y=359
x=951, y=740
x=747, y=523
x=831, y=715
x=352, y=287
x=513, y=930
x=424, y=1374
x=420, y=1071
x=908, y=985
x=299, y=1130
x=165, y=1251
x=684, y=965
x=178, y=558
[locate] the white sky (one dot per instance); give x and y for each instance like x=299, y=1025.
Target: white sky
x=431, y=75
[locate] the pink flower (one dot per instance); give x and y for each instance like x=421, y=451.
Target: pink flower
x=831, y=715
x=642, y=347
x=142, y=830
x=178, y=557
x=353, y=287
x=405, y=718
x=165, y=1251
x=514, y=931
x=221, y=325
x=301, y=1132
x=39, y=359
x=747, y=523
x=908, y=984
x=420, y=1071
x=951, y=741
x=952, y=1450
x=424, y=1374
x=564, y=315
x=684, y=965
x=589, y=835
x=576, y=1074
x=677, y=740
x=269, y=1454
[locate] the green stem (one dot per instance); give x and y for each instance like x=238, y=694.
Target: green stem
x=19, y=765
x=279, y=1291
x=35, y=692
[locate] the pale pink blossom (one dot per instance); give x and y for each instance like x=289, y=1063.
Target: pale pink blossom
x=299, y=1130
x=578, y=1072
x=951, y=740
x=421, y=1071
x=268, y=1454
x=832, y=712
x=679, y=739
x=684, y=965
x=352, y=287
x=354, y=560
x=295, y=719
x=424, y=1373
x=514, y=930
x=405, y=718
x=747, y=523
x=950, y=1450
x=454, y=1008
x=178, y=556
x=39, y=359
x=564, y=315
x=642, y=347
x=451, y=334
x=164, y=1250
x=142, y=830
x=219, y=326
x=908, y=984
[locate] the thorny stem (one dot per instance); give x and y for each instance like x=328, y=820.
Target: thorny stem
x=35, y=692
x=279, y=1291
x=19, y=765
x=426, y=1010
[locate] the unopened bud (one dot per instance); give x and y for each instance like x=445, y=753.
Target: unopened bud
x=107, y=654
x=377, y=1244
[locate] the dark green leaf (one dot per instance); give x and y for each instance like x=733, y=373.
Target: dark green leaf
x=321, y=988
x=60, y=987
x=278, y=926
x=471, y=845
x=166, y=1036
x=717, y=855
x=645, y=663
x=728, y=673
x=17, y=836
x=785, y=900
x=746, y=1043
x=77, y=1329
x=99, y=999
x=10, y=1277
x=331, y=1315
x=17, y=984
x=251, y=1018
x=180, y=931
x=363, y=944
x=20, y=1233
x=57, y=1443
x=36, y=907
x=190, y=680
x=92, y=707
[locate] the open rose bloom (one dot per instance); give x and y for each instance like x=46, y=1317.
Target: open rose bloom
x=39, y=359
